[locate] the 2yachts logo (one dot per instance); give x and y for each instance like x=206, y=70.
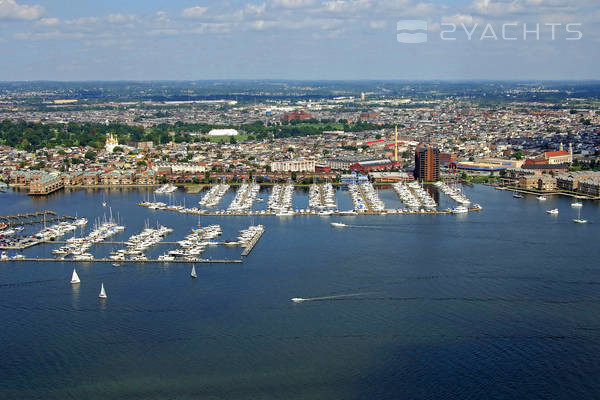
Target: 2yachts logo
x=415, y=31
x=411, y=31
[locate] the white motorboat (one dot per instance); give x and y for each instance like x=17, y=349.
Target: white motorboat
x=554, y=211
x=338, y=224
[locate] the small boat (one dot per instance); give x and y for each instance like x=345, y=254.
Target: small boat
x=460, y=210
x=554, y=211
x=576, y=204
x=338, y=224
x=517, y=195
x=116, y=265
x=75, y=277
x=579, y=220
x=297, y=299
x=102, y=294
x=541, y=198
x=193, y=274
x=103, y=204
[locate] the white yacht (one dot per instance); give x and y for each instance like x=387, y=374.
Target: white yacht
x=542, y=198
x=576, y=204
x=460, y=210
x=554, y=211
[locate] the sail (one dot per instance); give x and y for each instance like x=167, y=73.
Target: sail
x=194, y=271
x=75, y=277
x=102, y=294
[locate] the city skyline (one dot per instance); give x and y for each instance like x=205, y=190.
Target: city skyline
x=298, y=40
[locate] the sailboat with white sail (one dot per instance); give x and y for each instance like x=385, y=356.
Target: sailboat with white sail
x=193, y=274
x=102, y=294
x=579, y=220
x=75, y=277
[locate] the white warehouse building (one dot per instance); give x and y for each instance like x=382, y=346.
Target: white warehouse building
x=223, y=132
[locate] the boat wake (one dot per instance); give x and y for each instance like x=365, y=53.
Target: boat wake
x=324, y=298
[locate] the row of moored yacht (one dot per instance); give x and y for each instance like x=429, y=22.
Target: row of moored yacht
x=193, y=244
x=244, y=198
x=60, y=229
x=166, y=189
x=214, y=195
x=453, y=192
x=78, y=246
x=138, y=244
x=422, y=195
x=372, y=197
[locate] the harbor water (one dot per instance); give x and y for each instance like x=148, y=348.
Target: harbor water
x=498, y=304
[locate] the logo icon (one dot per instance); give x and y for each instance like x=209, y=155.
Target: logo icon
x=411, y=31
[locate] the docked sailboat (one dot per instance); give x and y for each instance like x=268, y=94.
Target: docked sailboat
x=102, y=294
x=193, y=274
x=75, y=277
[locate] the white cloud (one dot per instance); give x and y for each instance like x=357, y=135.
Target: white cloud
x=255, y=9
x=292, y=3
x=121, y=18
x=162, y=16
x=10, y=9
x=194, y=12
x=491, y=7
x=48, y=22
x=461, y=19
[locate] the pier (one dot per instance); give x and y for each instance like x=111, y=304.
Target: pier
x=252, y=243
x=306, y=212
x=34, y=218
x=108, y=260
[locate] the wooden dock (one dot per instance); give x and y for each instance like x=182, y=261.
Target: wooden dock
x=252, y=243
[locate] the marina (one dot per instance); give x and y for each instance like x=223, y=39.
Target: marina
x=447, y=279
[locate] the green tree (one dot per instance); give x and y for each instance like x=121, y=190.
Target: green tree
x=90, y=155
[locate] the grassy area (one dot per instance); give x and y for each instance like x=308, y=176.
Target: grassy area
x=221, y=139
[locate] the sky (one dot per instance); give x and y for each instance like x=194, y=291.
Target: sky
x=299, y=39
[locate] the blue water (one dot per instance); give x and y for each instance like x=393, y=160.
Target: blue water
x=500, y=304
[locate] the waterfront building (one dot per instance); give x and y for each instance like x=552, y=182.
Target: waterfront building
x=46, y=185
x=546, y=183
x=178, y=167
x=293, y=166
x=374, y=165
x=390, y=177
x=427, y=163
x=354, y=178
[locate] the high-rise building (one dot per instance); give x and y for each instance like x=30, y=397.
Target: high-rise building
x=427, y=164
